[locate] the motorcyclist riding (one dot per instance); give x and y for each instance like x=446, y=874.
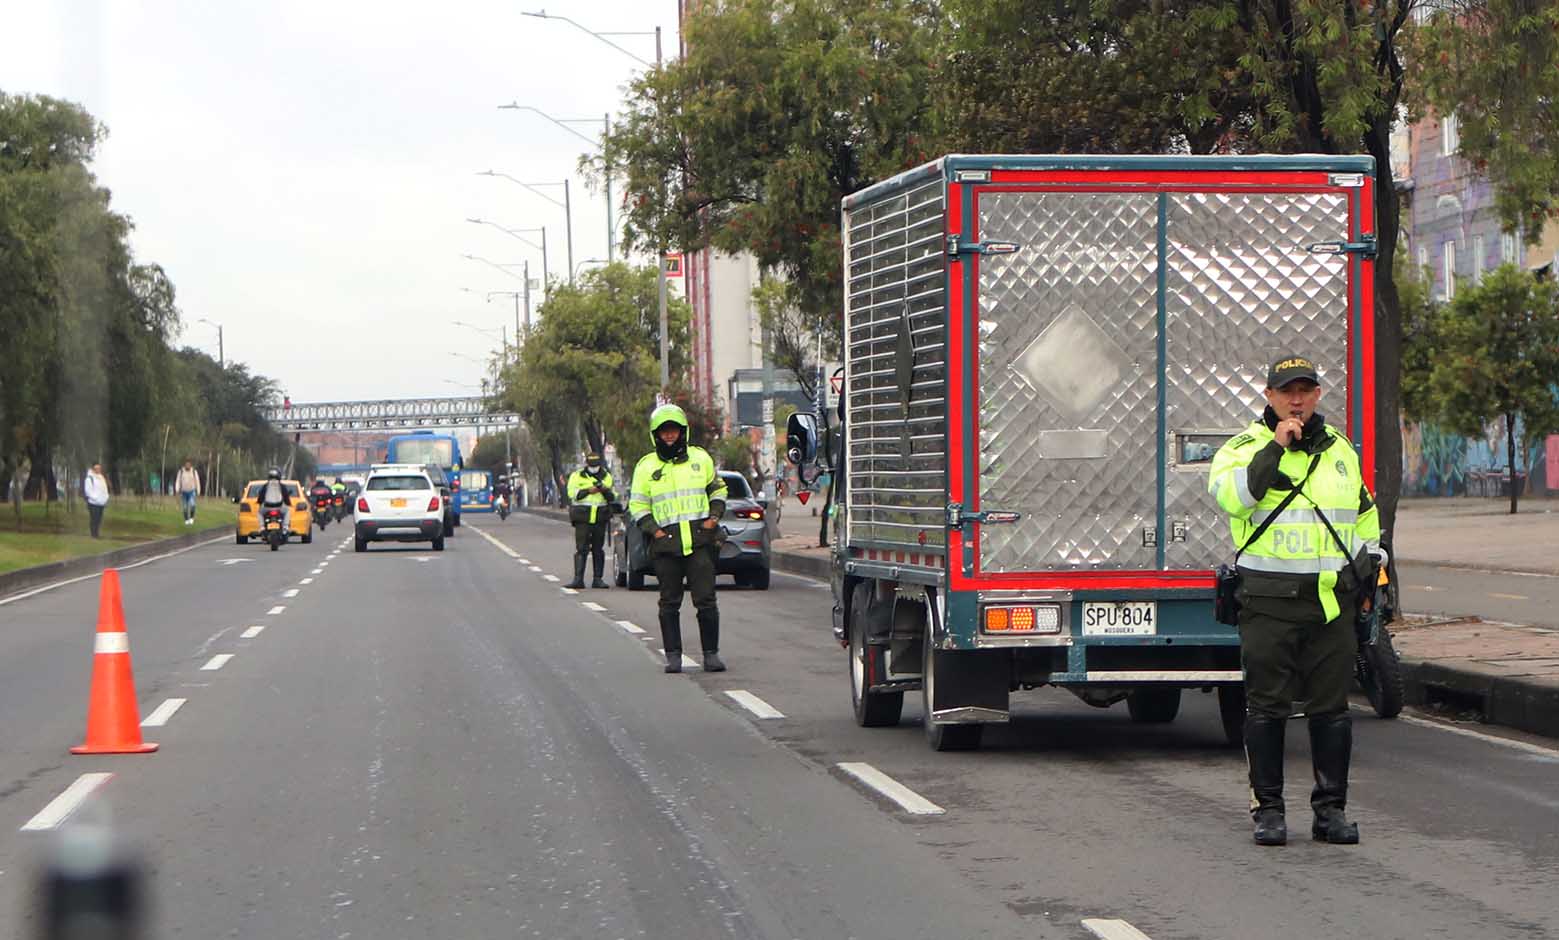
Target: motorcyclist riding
x=273, y=495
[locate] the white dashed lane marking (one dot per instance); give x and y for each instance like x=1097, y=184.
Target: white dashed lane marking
x=163, y=712
x=907, y=799
x=276, y=610
x=592, y=605
x=252, y=632
x=216, y=662
x=307, y=581
x=754, y=704
x=687, y=661
x=317, y=571
x=552, y=577
x=569, y=591
x=536, y=568
x=290, y=592
x=630, y=626
x=1113, y=929
x=60, y=808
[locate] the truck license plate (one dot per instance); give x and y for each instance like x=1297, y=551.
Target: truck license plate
x=1135, y=618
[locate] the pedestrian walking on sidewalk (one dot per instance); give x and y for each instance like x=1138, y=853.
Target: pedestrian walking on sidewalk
x=1305, y=529
x=188, y=486
x=95, y=488
x=677, y=500
x=590, y=491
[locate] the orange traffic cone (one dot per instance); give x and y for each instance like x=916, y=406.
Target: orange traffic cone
x=113, y=721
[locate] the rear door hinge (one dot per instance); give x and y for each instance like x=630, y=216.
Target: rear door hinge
x=957, y=518
x=957, y=247
x=1365, y=247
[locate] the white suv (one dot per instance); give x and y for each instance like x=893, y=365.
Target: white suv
x=399, y=503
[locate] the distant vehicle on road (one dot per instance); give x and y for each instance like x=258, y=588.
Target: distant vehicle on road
x=428, y=447
x=476, y=491
x=249, y=512
x=400, y=503
x=745, y=554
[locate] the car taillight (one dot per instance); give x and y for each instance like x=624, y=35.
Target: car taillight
x=749, y=514
x=362, y=505
x=1027, y=618
x=433, y=504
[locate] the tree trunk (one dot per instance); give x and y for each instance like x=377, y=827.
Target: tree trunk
x=1510, y=456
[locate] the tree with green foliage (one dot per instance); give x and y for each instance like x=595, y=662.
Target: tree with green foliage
x=1495, y=65
x=778, y=110
x=1497, y=358
x=591, y=366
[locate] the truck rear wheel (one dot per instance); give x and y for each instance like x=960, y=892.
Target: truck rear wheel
x=943, y=737
x=1153, y=706
x=872, y=709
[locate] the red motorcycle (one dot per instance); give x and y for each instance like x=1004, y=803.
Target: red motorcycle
x=321, y=510
x=272, y=528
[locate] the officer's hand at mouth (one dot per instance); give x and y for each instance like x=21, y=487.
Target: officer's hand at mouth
x=709, y=523
x=1288, y=431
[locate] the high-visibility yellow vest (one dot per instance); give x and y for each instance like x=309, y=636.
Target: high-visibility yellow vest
x=580, y=480
x=675, y=494
x=1297, y=542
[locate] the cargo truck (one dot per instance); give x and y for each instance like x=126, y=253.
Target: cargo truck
x=1041, y=356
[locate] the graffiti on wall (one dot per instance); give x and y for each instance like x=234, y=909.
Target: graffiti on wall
x=1439, y=463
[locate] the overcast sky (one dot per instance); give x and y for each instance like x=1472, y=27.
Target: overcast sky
x=304, y=170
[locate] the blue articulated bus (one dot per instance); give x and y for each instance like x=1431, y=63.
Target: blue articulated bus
x=430, y=447
x=476, y=491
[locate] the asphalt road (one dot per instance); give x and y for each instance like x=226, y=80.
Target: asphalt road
x=1512, y=597
x=446, y=744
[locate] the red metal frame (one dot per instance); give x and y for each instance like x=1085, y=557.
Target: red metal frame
x=966, y=492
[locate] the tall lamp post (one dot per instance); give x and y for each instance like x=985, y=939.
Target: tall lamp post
x=520, y=234
x=519, y=332
x=660, y=261
x=606, y=129
x=221, y=352
x=566, y=205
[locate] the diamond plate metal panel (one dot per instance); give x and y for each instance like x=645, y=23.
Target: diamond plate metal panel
x=1092, y=258
x=1242, y=289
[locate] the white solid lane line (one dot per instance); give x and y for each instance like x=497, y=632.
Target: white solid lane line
x=754, y=704
x=216, y=662
x=907, y=799
x=1512, y=597
x=163, y=712
x=307, y=581
x=630, y=626
x=592, y=605
x=495, y=542
x=290, y=592
x=60, y=808
x=1113, y=929
x=275, y=610
x=252, y=632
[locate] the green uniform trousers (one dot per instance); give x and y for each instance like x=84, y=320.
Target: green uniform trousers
x=697, y=571
x=590, y=537
x=1291, y=665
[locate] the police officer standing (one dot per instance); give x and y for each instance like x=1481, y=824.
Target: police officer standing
x=677, y=499
x=1307, y=537
x=590, y=491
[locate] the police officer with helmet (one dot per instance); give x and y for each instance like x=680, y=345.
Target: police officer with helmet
x=1307, y=540
x=590, y=491
x=677, y=499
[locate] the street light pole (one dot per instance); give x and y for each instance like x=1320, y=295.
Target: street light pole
x=518, y=233
x=565, y=205
x=606, y=130
x=568, y=221
x=221, y=352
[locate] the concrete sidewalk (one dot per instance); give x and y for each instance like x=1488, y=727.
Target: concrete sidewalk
x=1506, y=674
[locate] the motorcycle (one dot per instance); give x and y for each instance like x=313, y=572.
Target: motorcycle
x=273, y=529
x=1377, y=666
x=339, y=500
x=502, y=504
x=322, y=511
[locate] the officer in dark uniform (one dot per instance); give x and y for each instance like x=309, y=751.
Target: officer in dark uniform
x=590, y=491
x=1307, y=537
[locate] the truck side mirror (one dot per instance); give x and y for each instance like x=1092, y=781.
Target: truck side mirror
x=801, y=438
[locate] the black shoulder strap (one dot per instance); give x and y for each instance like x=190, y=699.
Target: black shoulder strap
x=1272, y=516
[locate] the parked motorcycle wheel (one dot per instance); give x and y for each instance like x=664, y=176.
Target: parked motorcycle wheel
x=1379, y=671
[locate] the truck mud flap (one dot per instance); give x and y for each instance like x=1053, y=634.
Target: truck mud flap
x=971, y=687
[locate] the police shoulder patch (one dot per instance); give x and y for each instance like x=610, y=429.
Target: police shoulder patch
x=1242, y=440
x=1342, y=468
x=696, y=466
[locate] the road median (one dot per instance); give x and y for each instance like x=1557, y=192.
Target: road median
x=24, y=579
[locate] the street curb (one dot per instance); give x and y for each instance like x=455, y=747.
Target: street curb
x=14, y=582
x=1482, y=569
x=1509, y=701
x=808, y=566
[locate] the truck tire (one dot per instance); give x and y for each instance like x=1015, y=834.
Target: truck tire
x=1231, y=712
x=872, y=709
x=1153, y=706
x=942, y=737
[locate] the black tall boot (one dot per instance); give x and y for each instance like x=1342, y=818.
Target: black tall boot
x=579, y=573
x=1264, y=755
x=599, y=558
x=1331, y=748
x=671, y=639
x=709, y=639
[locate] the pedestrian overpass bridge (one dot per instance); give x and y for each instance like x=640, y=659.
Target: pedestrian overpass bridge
x=388, y=415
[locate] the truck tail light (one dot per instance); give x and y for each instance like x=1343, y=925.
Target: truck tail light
x=433, y=504
x=1023, y=618
x=362, y=504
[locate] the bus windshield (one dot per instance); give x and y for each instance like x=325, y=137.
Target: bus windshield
x=424, y=450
